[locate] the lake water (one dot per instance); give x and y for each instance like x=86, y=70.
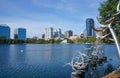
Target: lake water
x=44, y=60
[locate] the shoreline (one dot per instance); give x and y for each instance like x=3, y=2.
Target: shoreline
x=114, y=74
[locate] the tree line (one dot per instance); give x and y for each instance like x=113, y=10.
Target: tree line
x=51, y=41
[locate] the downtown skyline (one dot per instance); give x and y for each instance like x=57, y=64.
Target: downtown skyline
x=36, y=15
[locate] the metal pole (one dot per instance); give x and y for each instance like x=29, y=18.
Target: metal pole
x=115, y=38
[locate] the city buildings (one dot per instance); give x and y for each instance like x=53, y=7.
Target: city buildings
x=68, y=34
x=48, y=33
x=20, y=34
x=43, y=36
x=56, y=34
x=82, y=35
x=74, y=37
x=59, y=33
x=89, y=25
x=4, y=31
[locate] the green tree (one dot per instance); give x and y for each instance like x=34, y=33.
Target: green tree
x=91, y=39
x=51, y=41
x=40, y=41
x=83, y=40
x=106, y=10
x=58, y=41
x=69, y=41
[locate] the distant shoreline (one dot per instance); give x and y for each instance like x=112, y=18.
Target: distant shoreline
x=58, y=43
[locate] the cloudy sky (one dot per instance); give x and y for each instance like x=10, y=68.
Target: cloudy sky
x=36, y=15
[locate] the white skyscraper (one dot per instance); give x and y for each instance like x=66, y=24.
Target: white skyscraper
x=59, y=33
x=48, y=33
x=68, y=34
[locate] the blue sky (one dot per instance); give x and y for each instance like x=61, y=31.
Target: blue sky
x=36, y=15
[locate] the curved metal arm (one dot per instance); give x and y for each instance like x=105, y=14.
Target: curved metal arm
x=108, y=23
x=115, y=38
x=118, y=7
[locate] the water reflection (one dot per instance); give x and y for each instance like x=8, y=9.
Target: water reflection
x=4, y=54
x=17, y=54
x=112, y=54
x=38, y=53
x=44, y=60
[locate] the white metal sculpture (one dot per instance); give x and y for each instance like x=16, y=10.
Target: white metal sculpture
x=108, y=23
x=78, y=63
x=118, y=7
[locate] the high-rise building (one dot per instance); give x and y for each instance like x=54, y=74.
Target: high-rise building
x=89, y=25
x=48, y=33
x=59, y=33
x=56, y=34
x=68, y=34
x=20, y=34
x=43, y=36
x=4, y=31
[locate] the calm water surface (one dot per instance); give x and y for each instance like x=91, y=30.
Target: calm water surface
x=44, y=60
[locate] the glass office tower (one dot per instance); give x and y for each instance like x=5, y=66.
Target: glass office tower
x=4, y=31
x=20, y=34
x=89, y=25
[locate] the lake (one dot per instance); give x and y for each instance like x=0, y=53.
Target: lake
x=44, y=60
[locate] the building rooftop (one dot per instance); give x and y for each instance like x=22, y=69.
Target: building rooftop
x=4, y=25
x=21, y=28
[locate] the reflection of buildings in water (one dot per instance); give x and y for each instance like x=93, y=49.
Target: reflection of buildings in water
x=48, y=51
